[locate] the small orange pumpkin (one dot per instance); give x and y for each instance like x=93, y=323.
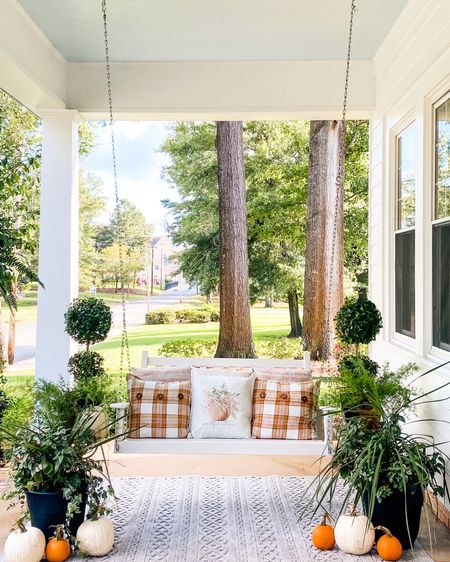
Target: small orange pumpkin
x=58, y=548
x=388, y=546
x=323, y=534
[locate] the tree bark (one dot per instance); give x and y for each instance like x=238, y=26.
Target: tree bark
x=12, y=328
x=235, y=332
x=294, y=316
x=324, y=151
x=268, y=301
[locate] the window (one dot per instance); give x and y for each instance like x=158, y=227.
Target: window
x=405, y=232
x=441, y=226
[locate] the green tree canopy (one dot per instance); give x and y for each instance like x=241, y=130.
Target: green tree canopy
x=276, y=163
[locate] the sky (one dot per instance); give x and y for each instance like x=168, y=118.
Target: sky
x=139, y=166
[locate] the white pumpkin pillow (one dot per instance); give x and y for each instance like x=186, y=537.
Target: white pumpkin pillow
x=221, y=406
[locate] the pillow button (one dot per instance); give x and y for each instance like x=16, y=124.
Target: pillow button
x=304, y=399
x=139, y=396
x=160, y=396
x=262, y=395
x=284, y=396
x=180, y=396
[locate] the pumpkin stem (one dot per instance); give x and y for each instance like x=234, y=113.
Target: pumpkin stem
x=21, y=524
x=384, y=529
x=326, y=516
x=352, y=511
x=59, y=532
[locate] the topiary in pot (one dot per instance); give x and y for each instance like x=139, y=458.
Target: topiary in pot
x=358, y=322
x=88, y=320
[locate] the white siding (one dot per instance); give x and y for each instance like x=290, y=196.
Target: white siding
x=412, y=70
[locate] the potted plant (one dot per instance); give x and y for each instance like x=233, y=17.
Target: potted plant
x=386, y=468
x=88, y=321
x=357, y=324
x=364, y=389
x=53, y=469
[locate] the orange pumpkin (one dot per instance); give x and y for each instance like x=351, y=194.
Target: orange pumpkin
x=323, y=534
x=388, y=546
x=58, y=548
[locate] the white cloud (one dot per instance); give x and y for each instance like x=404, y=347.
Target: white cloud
x=139, y=167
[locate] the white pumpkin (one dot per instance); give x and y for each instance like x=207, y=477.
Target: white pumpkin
x=25, y=545
x=96, y=538
x=354, y=533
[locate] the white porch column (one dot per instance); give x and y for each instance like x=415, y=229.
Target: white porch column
x=58, y=244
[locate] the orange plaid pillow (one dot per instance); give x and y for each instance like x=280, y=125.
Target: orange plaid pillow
x=284, y=410
x=158, y=409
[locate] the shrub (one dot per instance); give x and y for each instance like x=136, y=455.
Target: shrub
x=88, y=320
x=358, y=321
x=197, y=316
x=85, y=364
x=274, y=348
x=279, y=348
x=188, y=348
x=160, y=317
x=213, y=312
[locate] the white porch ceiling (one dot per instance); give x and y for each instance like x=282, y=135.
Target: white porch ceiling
x=214, y=30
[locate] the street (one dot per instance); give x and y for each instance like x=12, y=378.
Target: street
x=135, y=314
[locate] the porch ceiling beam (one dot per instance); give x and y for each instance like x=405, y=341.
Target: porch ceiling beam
x=222, y=90
x=31, y=69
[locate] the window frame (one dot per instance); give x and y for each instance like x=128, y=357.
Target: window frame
x=438, y=351
x=440, y=101
x=405, y=337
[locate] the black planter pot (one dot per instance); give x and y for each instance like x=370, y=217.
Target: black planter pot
x=391, y=513
x=48, y=509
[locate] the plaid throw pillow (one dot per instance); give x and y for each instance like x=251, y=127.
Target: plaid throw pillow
x=284, y=410
x=158, y=409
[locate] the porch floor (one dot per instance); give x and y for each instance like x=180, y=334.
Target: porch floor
x=218, y=465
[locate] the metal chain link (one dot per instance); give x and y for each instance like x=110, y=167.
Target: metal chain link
x=339, y=185
x=125, y=347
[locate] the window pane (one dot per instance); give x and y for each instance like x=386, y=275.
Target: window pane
x=442, y=153
x=406, y=177
x=441, y=285
x=405, y=309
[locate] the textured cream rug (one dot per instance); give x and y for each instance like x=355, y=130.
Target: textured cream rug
x=234, y=519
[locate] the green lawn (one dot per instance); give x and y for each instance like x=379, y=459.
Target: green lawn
x=266, y=322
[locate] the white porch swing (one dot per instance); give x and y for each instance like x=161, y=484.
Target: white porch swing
x=319, y=446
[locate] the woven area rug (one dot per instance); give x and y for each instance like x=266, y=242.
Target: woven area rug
x=204, y=519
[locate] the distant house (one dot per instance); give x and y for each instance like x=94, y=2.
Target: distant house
x=164, y=262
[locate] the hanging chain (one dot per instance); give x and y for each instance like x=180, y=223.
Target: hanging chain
x=339, y=186
x=124, y=348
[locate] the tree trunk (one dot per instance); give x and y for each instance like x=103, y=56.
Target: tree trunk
x=235, y=332
x=268, y=301
x=294, y=316
x=324, y=150
x=3, y=355
x=12, y=328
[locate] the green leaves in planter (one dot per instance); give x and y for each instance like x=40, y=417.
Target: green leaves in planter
x=358, y=321
x=88, y=320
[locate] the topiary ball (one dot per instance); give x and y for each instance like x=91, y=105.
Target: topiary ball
x=358, y=321
x=354, y=362
x=88, y=320
x=86, y=364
